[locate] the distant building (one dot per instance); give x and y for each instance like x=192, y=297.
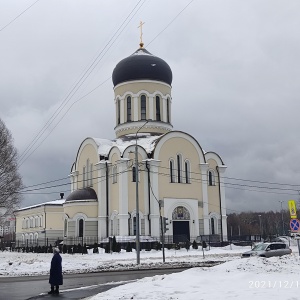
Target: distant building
x=172, y=168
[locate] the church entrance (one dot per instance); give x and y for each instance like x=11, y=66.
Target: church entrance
x=181, y=224
x=181, y=231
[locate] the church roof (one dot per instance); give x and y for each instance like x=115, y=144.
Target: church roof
x=145, y=140
x=142, y=65
x=83, y=194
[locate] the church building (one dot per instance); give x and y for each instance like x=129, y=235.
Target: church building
x=172, y=169
x=147, y=166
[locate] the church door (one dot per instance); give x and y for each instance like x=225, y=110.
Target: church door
x=181, y=224
x=181, y=231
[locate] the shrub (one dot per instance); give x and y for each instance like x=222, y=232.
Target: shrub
x=195, y=246
x=128, y=247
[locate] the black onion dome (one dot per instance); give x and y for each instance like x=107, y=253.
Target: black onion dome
x=83, y=194
x=142, y=65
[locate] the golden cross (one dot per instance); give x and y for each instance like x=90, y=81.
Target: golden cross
x=141, y=36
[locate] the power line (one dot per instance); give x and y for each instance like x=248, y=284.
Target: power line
x=170, y=23
x=24, y=156
x=19, y=15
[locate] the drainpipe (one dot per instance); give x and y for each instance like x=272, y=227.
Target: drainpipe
x=220, y=201
x=107, y=210
x=149, y=199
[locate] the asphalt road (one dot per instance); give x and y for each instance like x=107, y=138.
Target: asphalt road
x=76, y=286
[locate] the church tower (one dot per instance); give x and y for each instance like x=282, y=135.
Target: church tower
x=142, y=91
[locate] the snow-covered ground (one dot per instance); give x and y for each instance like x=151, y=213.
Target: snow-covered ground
x=247, y=278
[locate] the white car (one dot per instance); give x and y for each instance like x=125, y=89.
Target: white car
x=268, y=250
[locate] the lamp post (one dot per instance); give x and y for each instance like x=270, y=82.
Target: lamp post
x=259, y=216
x=137, y=221
x=281, y=201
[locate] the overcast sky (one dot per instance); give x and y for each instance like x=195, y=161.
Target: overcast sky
x=235, y=84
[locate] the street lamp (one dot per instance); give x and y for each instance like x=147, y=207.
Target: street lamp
x=137, y=221
x=259, y=216
x=282, y=217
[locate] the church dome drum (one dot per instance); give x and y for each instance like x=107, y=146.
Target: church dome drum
x=142, y=65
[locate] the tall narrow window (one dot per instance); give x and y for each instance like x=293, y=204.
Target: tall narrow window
x=128, y=109
x=172, y=172
x=187, y=172
x=143, y=107
x=83, y=177
x=91, y=175
x=87, y=172
x=66, y=228
x=179, y=168
x=118, y=112
x=211, y=178
x=80, y=228
x=133, y=174
x=168, y=110
x=157, y=102
x=212, y=225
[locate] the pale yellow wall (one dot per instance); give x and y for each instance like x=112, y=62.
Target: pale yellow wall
x=132, y=187
x=88, y=152
x=170, y=149
x=136, y=87
x=90, y=209
x=146, y=128
x=114, y=187
x=54, y=218
x=213, y=191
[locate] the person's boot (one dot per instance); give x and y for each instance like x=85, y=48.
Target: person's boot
x=52, y=290
x=56, y=290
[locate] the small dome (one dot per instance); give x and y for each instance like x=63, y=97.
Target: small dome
x=83, y=194
x=142, y=65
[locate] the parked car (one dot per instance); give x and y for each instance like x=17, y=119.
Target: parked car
x=268, y=250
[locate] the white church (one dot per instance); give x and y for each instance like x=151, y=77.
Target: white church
x=172, y=169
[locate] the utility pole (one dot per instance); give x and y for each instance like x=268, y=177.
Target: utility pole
x=281, y=201
x=260, y=231
x=137, y=239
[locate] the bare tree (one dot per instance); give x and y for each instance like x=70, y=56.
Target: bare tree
x=10, y=179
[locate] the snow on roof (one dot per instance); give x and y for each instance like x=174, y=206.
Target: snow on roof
x=145, y=140
x=54, y=202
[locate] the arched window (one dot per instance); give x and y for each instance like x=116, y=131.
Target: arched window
x=128, y=109
x=66, y=228
x=36, y=237
x=211, y=178
x=118, y=112
x=157, y=102
x=187, y=171
x=172, y=171
x=31, y=238
x=179, y=171
x=80, y=227
x=143, y=107
x=23, y=239
x=168, y=110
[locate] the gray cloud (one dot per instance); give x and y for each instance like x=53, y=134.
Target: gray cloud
x=236, y=78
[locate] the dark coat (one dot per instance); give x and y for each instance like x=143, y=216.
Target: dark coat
x=56, y=277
